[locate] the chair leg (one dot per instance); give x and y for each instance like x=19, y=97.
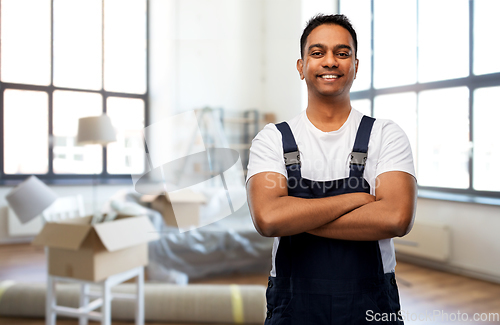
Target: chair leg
x=50, y=302
x=139, y=307
x=84, y=301
x=106, y=304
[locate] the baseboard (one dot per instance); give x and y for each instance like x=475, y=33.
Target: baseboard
x=16, y=240
x=447, y=268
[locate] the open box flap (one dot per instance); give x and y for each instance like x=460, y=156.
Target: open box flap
x=126, y=232
x=62, y=235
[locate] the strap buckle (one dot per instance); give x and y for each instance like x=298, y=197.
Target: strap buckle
x=358, y=158
x=292, y=158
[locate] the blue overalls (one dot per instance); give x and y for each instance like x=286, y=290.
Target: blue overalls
x=328, y=281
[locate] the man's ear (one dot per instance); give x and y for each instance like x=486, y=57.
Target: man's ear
x=300, y=67
x=356, y=68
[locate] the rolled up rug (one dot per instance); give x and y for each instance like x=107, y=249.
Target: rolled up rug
x=232, y=304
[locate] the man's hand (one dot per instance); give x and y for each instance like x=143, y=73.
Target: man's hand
x=389, y=216
x=276, y=214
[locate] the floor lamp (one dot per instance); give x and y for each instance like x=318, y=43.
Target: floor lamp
x=95, y=130
x=30, y=198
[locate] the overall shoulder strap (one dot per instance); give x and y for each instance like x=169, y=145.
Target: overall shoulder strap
x=290, y=150
x=359, y=152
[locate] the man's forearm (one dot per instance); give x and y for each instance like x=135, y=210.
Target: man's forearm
x=373, y=221
x=389, y=216
x=290, y=215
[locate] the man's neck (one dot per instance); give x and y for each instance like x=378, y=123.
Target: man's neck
x=328, y=115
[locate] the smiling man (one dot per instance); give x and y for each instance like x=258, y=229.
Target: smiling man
x=333, y=187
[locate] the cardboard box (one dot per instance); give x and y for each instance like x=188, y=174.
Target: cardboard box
x=186, y=204
x=79, y=250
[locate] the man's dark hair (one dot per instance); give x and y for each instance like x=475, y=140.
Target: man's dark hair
x=321, y=19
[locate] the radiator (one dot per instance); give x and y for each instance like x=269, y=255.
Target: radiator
x=16, y=228
x=427, y=240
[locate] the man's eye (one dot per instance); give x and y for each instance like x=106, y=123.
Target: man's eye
x=316, y=53
x=343, y=54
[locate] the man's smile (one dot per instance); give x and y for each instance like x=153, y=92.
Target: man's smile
x=329, y=76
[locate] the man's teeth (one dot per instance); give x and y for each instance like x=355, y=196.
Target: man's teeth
x=329, y=76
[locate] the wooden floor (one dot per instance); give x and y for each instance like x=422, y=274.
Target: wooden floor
x=423, y=292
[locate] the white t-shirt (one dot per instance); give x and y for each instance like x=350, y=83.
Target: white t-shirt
x=325, y=156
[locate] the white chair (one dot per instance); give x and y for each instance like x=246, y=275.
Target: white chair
x=72, y=207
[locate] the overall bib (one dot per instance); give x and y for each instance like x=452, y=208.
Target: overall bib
x=328, y=281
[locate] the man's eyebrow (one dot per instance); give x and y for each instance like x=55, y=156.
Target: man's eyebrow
x=316, y=45
x=343, y=46
x=337, y=47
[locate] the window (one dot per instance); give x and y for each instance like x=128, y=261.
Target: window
x=62, y=60
x=435, y=75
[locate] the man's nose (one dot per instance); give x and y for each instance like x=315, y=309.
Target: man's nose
x=330, y=61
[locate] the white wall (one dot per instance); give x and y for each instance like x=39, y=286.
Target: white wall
x=205, y=53
x=219, y=54
x=162, y=57
x=282, y=84
x=475, y=243
x=234, y=54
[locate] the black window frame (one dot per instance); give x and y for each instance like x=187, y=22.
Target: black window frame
x=472, y=82
x=72, y=179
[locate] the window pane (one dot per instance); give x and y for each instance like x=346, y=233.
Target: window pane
x=26, y=140
x=485, y=46
x=125, y=46
x=359, y=12
x=25, y=50
x=395, y=65
x=443, y=138
x=443, y=40
x=126, y=155
x=362, y=105
x=69, y=158
x=486, y=153
x=78, y=44
x=402, y=109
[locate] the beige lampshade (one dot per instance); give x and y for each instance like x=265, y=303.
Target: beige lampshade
x=95, y=130
x=30, y=198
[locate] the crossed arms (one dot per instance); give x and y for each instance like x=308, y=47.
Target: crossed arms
x=356, y=216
